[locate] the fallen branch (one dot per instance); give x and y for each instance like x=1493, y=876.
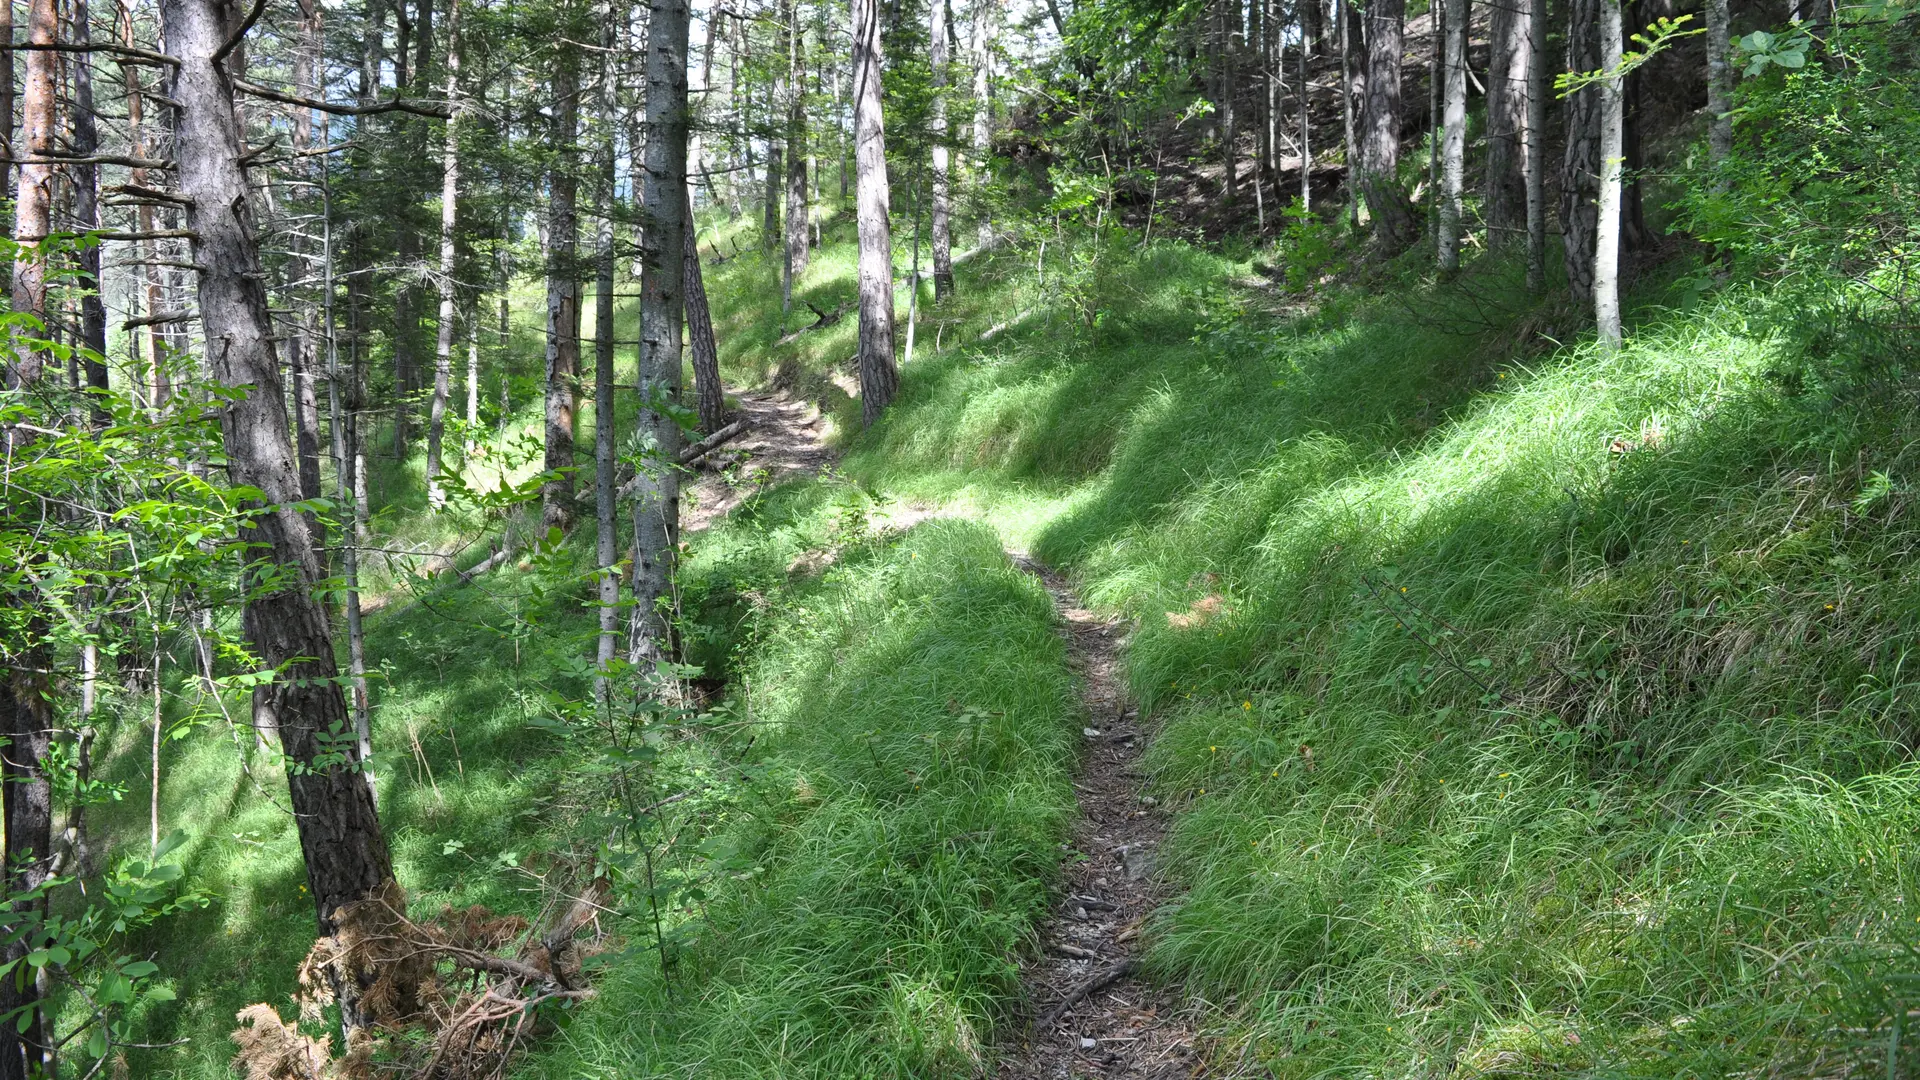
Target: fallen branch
x=823, y=320
x=690, y=454
x=1092, y=985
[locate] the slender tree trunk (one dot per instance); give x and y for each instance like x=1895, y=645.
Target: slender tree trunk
x=1719, y=123
x=340, y=836
x=942, y=194
x=1606, y=249
x=1229, y=89
x=1353, y=87
x=776, y=157
x=449, y=219
x=301, y=347
x=706, y=352
x=1535, y=163
x=798, y=251
x=26, y=716
x=1580, y=168
x=86, y=208
x=984, y=14
x=1454, y=133
x=563, y=294
x=879, y=377
x=1395, y=225
x=1306, y=116
x=663, y=200
x=1509, y=70
x=605, y=441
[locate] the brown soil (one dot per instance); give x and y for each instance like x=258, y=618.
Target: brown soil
x=784, y=438
x=1094, y=1016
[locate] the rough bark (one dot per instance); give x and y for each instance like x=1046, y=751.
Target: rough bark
x=563, y=294
x=1395, y=224
x=1453, y=143
x=1509, y=67
x=286, y=626
x=1606, y=249
x=663, y=204
x=605, y=442
x=303, y=345
x=1306, y=117
x=984, y=14
x=942, y=179
x=1534, y=168
x=86, y=211
x=449, y=219
x=797, y=250
x=879, y=377
x=1353, y=84
x=1580, y=168
x=1719, y=124
x=700, y=341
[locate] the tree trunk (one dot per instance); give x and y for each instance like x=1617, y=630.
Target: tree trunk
x=1719, y=123
x=86, y=208
x=1606, y=249
x=879, y=378
x=942, y=192
x=1395, y=225
x=1510, y=67
x=1229, y=87
x=449, y=219
x=605, y=441
x=563, y=294
x=798, y=250
x=706, y=352
x=285, y=624
x=1580, y=169
x=1534, y=165
x=1306, y=116
x=663, y=203
x=1454, y=138
x=1353, y=87
x=984, y=13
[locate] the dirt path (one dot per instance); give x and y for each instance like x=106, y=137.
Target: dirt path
x=1094, y=1016
x=784, y=438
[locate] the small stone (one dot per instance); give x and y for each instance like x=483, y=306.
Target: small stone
x=1090, y=732
x=1148, y=800
x=1088, y=1044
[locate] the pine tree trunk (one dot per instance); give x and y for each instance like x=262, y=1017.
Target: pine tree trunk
x=798, y=250
x=449, y=219
x=663, y=204
x=984, y=13
x=1395, y=225
x=86, y=209
x=340, y=837
x=1719, y=123
x=1306, y=117
x=1534, y=164
x=1606, y=250
x=1510, y=66
x=1453, y=76
x=1580, y=169
x=879, y=378
x=706, y=352
x=1353, y=88
x=563, y=295
x=942, y=179
x=605, y=440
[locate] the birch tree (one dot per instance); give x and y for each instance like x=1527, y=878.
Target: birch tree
x=1454, y=132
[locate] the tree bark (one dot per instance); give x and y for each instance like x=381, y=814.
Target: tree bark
x=86, y=209
x=1719, y=123
x=1606, y=249
x=1353, y=87
x=1454, y=133
x=1510, y=67
x=605, y=441
x=942, y=191
x=1580, y=168
x=663, y=199
x=286, y=626
x=1395, y=225
x=879, y=378
x=798, y=252
x=984, y=14
x=563, y=294
x=449, y=219
x=706, y=352
x=1534, y=165
x=1306, y=115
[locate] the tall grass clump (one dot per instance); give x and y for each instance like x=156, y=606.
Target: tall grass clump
x=910, y=732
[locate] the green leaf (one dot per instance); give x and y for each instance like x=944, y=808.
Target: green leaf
x=140, y=969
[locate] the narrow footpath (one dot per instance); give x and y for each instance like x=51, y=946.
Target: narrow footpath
x=1094, y=1015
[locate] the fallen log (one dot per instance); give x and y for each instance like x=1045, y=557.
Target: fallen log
x=822, y=320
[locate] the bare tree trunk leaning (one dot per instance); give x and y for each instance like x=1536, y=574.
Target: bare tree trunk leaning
x=700, y=341
x=879, y=377
x=340, y=837
x=449, y=219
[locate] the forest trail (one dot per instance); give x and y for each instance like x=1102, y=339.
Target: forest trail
x=1096, y=1017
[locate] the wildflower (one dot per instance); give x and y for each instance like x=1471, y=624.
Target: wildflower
x=1504, y=775
x=1213, y=749
x=1248, y=705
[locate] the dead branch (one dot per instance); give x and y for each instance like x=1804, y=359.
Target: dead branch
x=822, y=320
x=405, y=105
x=1092, y=985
